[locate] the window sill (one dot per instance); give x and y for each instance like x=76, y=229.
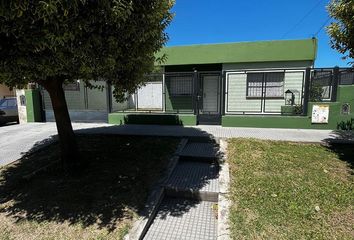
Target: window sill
x=275, y=98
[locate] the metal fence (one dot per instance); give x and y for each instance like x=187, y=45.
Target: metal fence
x=162, y=92
x=346, y=76
x=241, y=92
x=273, y=91
x=325, y=82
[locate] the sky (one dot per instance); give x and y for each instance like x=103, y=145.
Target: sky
x=219, y=21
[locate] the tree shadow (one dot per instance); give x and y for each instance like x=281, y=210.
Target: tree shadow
x=343, y=145
x=121, y=171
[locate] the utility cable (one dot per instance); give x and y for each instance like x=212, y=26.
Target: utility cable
x=302, y=19
x=322, y=26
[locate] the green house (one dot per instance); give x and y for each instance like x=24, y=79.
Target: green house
x=246, y=84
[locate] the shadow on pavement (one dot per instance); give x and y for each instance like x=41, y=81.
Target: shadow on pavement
x=120, y=172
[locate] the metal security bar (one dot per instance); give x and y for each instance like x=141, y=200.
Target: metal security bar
x=346, y=76
x=179, y=94
x=321, y=85
x=265, y=92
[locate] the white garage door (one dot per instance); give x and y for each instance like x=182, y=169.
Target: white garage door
x=150, y=96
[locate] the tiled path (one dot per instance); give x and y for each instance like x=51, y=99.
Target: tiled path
x=191, y=211
x=183, y=219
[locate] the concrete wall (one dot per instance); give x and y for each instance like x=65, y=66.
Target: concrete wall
x=22, y=109
x=81, y=116
x=85, y=105
x=147, y=118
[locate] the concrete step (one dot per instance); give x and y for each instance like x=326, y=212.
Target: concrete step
x=196, y=176
x=200, y=151
x=184, y=219
x=195, y=180
x=193, y=195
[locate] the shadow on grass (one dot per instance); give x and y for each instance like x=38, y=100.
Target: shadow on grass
x=121, y=170
x=343, y=145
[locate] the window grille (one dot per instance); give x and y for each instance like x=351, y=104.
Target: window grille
x=323, y=79
x=346, y=77
x=254, y=85
x=181, y=86
x=272, y=83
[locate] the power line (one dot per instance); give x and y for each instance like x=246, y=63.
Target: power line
x=322, y=26
x=302, y=19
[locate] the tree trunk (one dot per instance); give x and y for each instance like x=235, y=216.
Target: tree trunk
x=67, y=140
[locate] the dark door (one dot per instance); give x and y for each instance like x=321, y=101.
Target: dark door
x=209, y=112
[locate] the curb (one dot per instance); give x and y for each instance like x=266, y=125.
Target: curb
x=224, y=203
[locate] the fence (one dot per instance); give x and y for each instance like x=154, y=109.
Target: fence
x=162, y=92
x=243, y=92
x=264, y=92
x=325, y=81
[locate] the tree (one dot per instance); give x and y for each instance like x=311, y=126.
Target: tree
x=342, y=31
x=52, y=42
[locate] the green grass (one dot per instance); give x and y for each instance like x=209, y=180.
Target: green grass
x=282, y=190
x=101, y=203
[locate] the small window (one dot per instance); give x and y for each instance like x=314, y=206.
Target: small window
x=272, y=83
x=254, y=85
x=181, y=86
x=75, y=86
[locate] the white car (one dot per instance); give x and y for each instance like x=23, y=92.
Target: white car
x=8, y=110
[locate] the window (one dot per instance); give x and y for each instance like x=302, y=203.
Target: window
x=180, y=85
x=272, y=83
x=254, y=85
x=6, y=102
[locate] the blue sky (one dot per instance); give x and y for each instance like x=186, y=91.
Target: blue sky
x=218, y=21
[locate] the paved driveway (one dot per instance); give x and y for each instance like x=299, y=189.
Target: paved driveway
x=15, y=140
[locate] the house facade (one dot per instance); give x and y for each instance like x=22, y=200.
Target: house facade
x=248, y=84
x=6, y=92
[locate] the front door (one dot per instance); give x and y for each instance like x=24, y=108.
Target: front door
x=209, y=99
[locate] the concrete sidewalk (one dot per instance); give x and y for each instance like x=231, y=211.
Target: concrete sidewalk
x=16, y=140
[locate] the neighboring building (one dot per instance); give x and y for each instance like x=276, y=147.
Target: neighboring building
x=6, y=92
x=247, y=84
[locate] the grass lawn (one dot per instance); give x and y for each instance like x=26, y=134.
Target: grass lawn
x=101, y=203
x=282, y=190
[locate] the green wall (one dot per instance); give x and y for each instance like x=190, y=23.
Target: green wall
x=150, y=118
x=178, y=103
x=33, y=105
x=345, y=95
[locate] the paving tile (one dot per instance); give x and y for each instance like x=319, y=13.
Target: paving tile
x=183, y=220
x=196, y=176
